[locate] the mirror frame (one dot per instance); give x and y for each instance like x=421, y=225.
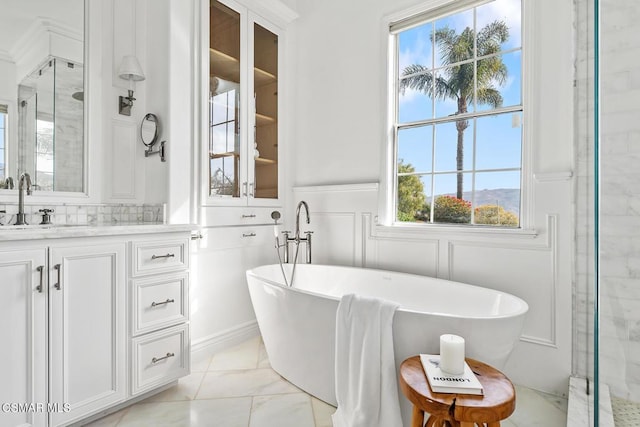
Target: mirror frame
x=92, y=19
x=150, y=117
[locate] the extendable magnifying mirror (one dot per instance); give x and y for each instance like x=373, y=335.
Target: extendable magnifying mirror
x=149, y=134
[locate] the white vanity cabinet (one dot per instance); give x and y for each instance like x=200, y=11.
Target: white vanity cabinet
x=89, y=322
x=159, y=296
x=64, y=330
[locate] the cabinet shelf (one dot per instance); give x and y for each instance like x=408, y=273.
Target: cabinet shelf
x=228, y=67
x=221, y=155
x=262, y=120
x=260, y=161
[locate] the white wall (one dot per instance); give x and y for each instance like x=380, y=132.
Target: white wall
x=339, y=66
x=337, y=55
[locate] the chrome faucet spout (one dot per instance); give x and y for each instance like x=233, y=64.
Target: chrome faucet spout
x=306, y=209
x=25, y=178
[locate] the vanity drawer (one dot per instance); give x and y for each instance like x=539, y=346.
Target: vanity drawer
x=158, y=302
x=229, y=216
x=159, y=256
x=159, y=358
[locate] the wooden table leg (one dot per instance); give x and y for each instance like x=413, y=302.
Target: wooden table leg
x=417, y=420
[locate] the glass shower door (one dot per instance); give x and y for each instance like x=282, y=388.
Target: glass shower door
x=616, y=212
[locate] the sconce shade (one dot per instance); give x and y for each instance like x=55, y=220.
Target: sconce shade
x=130, y=69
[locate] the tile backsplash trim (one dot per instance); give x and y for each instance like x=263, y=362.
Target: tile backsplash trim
x=87, y=214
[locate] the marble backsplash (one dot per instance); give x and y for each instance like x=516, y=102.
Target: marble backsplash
x=87, y=214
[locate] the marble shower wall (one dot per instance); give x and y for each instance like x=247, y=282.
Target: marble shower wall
x=619, y=353
x=69, y=127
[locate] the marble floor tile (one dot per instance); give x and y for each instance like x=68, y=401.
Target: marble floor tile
x=322, y=412
x=201, y=364
x=263, y=358
x=537, y=409
x=198, y=413
x=186, y=389
x=284, y=410
x=242, y=356
x=252, y=382
x=218, y=393
x=108, y=421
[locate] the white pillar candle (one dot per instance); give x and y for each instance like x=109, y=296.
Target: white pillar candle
x=452, y=354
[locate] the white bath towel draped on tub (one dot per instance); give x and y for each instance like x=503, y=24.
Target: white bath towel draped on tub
x=366, y=382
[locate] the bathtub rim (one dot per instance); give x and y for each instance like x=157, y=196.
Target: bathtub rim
x=524, y=306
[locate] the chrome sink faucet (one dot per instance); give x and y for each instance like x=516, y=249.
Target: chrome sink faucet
x=24, y=178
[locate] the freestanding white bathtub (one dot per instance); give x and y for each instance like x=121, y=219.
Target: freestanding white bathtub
x=298, y=323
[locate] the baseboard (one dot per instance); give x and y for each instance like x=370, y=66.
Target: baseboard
x=203, y=347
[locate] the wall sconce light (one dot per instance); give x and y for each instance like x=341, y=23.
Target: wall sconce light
x=131, y=70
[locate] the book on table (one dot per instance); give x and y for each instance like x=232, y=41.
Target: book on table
x=442, y=382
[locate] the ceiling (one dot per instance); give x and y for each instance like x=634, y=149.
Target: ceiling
x=17, y=16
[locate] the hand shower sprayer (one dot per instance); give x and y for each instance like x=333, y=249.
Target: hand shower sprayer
x=275, y=215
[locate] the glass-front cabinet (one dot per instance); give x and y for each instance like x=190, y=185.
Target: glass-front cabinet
x=242, y=145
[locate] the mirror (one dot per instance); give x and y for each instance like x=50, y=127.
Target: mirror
x=149, y=129
x=42, y=94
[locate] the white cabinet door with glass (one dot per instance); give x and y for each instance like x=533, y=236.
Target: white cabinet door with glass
x=242, y=148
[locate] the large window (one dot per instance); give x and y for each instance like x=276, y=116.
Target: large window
x=458, y=121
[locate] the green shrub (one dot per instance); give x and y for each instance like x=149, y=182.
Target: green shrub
x=450, y=209
x=495, y=215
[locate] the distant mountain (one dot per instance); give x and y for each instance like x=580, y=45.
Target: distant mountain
x=508, y=198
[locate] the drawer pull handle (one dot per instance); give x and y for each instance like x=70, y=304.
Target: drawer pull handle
x=57, y=285
x=249, y=216
x=249, y=235
x=155, y=304
x=157, y=359
x=162, y=256
x=196, y=236
x=40, y=269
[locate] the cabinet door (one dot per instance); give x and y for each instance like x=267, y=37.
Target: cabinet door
x=243, y=86
x=23, y=360
x=87, y=328
x=220, y=260
x=227, y=130
x=264, y=179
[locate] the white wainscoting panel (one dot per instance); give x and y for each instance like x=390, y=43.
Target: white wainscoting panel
x=515, y=270
x=522, y=263
x=123, y=159
x=333, y=240
x=408, y=256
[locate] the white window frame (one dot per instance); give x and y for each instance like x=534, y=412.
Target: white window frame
x=387, y=204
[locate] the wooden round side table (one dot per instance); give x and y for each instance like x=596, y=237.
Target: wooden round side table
x=458, y=410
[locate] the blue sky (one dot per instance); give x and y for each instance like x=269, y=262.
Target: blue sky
x=497, y=138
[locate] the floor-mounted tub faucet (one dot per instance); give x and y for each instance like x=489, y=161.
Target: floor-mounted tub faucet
x=25, y=178
x=297, y=239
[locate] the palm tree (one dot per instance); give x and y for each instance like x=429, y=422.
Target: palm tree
x=457, y=81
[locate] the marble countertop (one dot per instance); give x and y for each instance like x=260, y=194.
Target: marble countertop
x=35, y=232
